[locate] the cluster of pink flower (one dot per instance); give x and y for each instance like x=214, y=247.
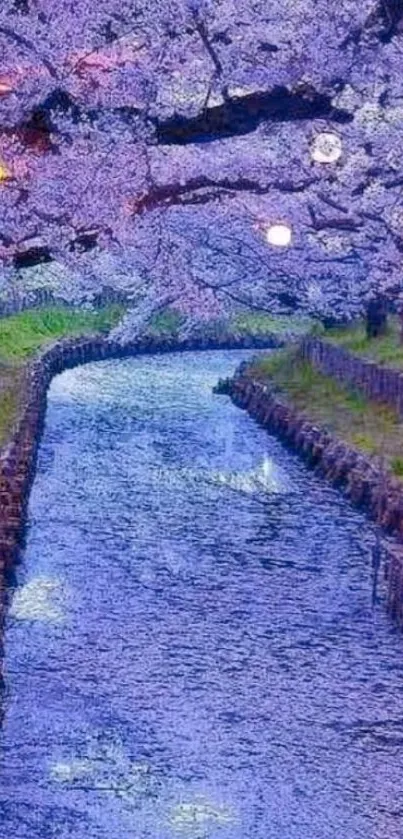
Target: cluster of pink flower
x=233, y=151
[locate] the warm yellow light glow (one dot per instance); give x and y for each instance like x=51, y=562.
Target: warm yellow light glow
x=326, y=148
x=4, y=172
x=279, y=235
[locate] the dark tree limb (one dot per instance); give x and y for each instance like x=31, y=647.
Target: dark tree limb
x=194, y=190
x=243, y=114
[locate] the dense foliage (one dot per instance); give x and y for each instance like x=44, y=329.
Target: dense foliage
x=158, y=143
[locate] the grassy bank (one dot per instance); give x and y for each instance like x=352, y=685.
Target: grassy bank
x=22, y=335
x=386, y=349
x=11, y=386
x=371, y=428
x=256, y=323
x=166, y=323
x=252, y=324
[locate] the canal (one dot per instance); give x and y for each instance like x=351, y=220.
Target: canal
x=191, y=649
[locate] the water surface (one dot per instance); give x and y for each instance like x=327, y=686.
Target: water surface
x=191, y=650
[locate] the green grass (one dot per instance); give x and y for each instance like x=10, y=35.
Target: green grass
x=11, y=387
x=397, y=466
x=259, y=323
x=23, y=334
x=373, y=429
x=364, y=442
x=165, y=323
x=169, y=321
x=386, y=349
x=8, y=411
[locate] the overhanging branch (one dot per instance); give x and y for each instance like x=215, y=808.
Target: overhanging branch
x=194, y=189
x=242, y=115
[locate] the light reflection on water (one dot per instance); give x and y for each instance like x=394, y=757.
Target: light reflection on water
x=40, y=599
x=191, y=651
x=266, y=477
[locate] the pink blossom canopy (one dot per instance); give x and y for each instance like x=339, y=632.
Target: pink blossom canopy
x=161, y=141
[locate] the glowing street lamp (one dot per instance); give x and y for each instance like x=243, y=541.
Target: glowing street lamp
x=5, y=173
x=279, y=235
x=326, y=148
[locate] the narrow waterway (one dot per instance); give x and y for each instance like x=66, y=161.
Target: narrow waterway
x=191, y=650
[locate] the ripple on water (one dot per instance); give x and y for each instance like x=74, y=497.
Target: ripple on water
x=192, y=649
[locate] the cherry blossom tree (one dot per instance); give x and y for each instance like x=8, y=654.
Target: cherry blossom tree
x=179, y=139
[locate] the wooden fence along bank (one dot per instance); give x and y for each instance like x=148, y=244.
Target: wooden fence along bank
x=361, y=480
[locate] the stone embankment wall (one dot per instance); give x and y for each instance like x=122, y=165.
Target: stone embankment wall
x=362, y=481
x=18, y=457
x=382, y=384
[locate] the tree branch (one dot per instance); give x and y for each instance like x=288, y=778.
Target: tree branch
x=194, y=189
x=28, y=45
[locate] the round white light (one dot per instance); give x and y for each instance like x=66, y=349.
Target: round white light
x=279, y=235
x=326, y=148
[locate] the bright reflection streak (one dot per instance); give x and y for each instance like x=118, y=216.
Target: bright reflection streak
x=69, y=772
x=108, y=769
x=264, y=477
x=279, y=235
x=201, y=815
x=39, y=600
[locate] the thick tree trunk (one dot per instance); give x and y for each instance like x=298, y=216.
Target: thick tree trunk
x=376, y=317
